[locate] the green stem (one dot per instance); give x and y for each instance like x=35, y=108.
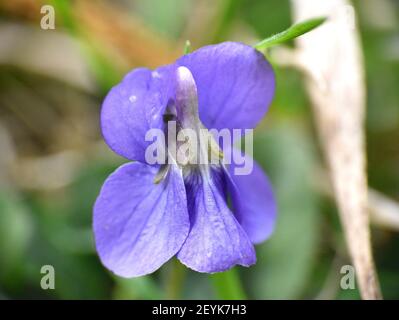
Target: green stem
x=228, y=285
x=176, y=279
x=187, y=47
x=291, y=33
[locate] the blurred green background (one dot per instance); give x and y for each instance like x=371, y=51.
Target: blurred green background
x=53, y=160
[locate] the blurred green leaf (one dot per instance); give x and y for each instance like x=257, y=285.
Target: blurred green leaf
x=63, y=9
x=16, y=228
x=79, y=274
x=104, y=70
x=227, y=9
x=286, y=260
x=291, y=33
x=167, y=16
x=73, y=240
x=266, y=17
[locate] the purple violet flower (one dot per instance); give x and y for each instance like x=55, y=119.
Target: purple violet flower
x=145, y=214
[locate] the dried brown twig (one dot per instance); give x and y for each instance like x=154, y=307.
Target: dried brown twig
x=332, y=59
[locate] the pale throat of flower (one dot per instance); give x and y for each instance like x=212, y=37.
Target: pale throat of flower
x=190, y=144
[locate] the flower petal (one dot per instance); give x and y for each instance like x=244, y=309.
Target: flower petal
x=139, y=225
x=216, y=241
x=232, y=79
x=133, y=107
x=253, y=201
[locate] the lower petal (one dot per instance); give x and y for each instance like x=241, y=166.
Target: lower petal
x=139, y=225
x=216, y=241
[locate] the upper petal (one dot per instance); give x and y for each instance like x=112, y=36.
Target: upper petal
x=139, y=225
x=133, y=107
x=253, y=201
x=235, y=84
x=216, y=241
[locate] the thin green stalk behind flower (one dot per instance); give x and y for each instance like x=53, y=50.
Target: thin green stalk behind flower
x=227, y=285
x=176, y=279
x=187, y=47
x=291, y=33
